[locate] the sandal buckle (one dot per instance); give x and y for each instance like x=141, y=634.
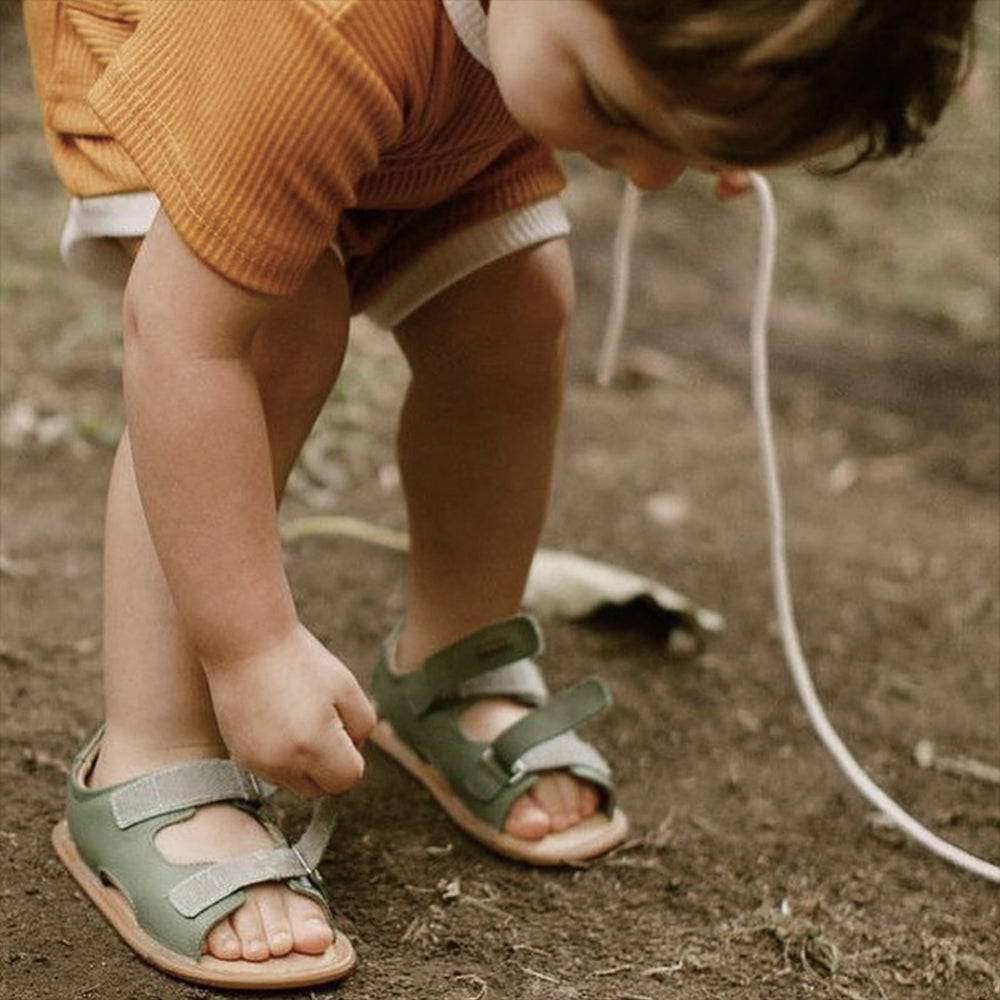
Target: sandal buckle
x=507, y=775
x=516, y=772
x=307, y=869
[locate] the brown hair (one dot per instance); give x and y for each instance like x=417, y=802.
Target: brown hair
x=755, y=81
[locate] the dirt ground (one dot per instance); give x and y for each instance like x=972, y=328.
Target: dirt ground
x=754, y=869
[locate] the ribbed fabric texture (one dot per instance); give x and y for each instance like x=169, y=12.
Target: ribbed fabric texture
x=260, y=123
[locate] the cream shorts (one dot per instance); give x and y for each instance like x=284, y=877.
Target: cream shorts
x=89, y=245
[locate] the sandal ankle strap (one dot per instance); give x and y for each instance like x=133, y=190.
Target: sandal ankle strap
x=493, y=661
x=185, y=786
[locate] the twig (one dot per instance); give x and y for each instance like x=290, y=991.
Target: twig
x=530, y=947
x=926, y=756
x=487, y=907
x=845, y=991
x=348, y=527
x=664, y=970
x=616, y=970
x=475, y=980
x=539, y=975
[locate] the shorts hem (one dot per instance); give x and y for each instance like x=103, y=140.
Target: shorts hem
x=89, y=246
x=464, y=253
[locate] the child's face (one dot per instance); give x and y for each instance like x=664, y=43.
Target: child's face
x=566, y=79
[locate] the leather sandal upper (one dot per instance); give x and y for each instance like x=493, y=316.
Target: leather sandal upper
x=114, y=830
x=425, y=708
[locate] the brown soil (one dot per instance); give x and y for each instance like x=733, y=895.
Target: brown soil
x=755, y=870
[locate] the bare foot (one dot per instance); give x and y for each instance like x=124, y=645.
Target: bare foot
x=556, y=801
x=274, y=920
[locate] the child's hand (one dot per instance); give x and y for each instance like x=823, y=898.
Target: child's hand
x=731, y=182
x=293, y=715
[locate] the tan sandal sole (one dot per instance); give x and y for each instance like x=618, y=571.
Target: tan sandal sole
x=592, y=837
x=286, y=972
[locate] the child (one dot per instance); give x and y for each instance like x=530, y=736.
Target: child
x=288, y=163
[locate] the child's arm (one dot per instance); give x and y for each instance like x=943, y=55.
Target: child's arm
x=287, y=709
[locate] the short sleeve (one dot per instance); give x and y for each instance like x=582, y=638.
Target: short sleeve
x=252, y=121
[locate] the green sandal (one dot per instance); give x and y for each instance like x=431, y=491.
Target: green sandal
x=476, y=783
x=163, y=910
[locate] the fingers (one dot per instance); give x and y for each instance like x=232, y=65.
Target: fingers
x=295, y=716
x=341, y=765
x=301, y=785
x=329, y=763
x=356, y=712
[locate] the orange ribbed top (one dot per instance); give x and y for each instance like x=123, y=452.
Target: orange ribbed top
x=259, y=123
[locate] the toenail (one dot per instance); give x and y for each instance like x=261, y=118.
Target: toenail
x=229, y=946
x=256, y=947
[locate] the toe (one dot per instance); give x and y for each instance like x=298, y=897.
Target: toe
x=557, y=794
x=222, y=942
x=275, y=924
x=274, y=921
x=556, y=802
x=310, y=928
x=527, y=819
x=590, y=800
x=249, y=928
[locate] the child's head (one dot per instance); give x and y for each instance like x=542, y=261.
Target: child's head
x=763, y=80
x=651, y=86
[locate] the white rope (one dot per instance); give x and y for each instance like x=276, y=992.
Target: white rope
x=621, y=254
x=799, y=669
x=779, y=568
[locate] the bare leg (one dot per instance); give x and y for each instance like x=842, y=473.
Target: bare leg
x=476, y=446
x=158, y=708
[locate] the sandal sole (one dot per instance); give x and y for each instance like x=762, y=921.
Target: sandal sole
x=285, y=972
x=586, y=840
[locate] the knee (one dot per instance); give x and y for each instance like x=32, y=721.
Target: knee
x=538, y=297
x=525, y=371
x=498, y=337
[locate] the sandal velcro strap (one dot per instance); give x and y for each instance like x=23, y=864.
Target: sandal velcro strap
x=448, y=674
x=542, y=740
x=212, y=884
x=562, y=712
x=567, y=752
x=521, y=680
x=183, y=787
